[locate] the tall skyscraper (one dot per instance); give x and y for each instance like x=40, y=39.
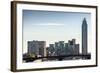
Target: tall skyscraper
x=84, y=36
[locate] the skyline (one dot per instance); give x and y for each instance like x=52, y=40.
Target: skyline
x=58, y=51
x=53, y=26
x=53, y=42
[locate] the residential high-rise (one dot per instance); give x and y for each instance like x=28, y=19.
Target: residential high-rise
x=73, y=47
x=42, y=48
x=84, y=36
x=52, y=49
x=33, y=48
x=61, y=48
x=56, y=48
x=37, y=48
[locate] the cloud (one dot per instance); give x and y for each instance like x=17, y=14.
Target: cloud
x=51, y=24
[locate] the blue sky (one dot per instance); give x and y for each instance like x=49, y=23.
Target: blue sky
x=52, y=26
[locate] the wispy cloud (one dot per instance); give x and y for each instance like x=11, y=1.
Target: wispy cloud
x=50, y=24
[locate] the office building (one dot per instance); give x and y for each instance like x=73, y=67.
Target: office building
x=84, y=37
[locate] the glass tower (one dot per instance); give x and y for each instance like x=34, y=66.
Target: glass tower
x=84, y=36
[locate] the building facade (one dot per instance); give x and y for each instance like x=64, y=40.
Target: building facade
x=73, y=48
x=37, y=48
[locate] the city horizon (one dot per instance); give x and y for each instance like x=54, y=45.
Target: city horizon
x=59, y=50
x=52, y=42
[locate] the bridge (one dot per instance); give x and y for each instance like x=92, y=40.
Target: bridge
x=59, y=58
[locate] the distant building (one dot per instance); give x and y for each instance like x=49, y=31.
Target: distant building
x=37, y=48
x=84, y=36
x=48, y=51
x=67, y=50
x=61, y=48
x=51, y=50
x=76, y=51
x=73, y=48
x=56, y=48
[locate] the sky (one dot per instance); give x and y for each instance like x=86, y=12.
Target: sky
x=53, y=26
